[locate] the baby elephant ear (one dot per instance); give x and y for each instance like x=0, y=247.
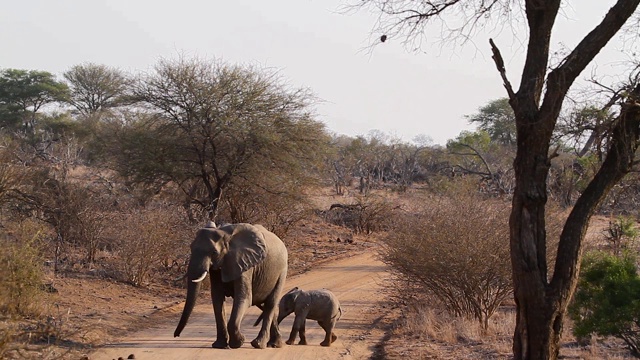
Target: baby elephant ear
x=246, y=249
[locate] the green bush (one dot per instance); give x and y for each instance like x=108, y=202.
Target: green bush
x=621, y=233
x=607, y=301
x=21, y=268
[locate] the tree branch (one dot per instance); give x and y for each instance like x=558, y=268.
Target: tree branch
x=560, y=80
x=497, y=58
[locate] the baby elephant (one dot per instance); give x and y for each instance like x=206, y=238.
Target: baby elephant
x=320, y=305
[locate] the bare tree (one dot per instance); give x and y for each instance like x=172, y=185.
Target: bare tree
x=541, y=298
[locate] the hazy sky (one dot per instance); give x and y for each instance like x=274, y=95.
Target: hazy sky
x=312, y=43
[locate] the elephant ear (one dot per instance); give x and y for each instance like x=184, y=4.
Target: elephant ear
x=247, y=248
x=292, y=290
x=210, y=225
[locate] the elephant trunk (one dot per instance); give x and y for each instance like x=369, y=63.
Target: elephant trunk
x=282, y=315
x=192, y=294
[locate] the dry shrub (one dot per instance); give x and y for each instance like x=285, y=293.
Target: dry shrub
x=150, y=239
x=21, y=261
x=366, y=215
x=80, y=219
x=621, y=233
x=6, y=335
x=29, y=325
x=36, y=338
x=67, y=205
x=276, y=206
x=457, y=249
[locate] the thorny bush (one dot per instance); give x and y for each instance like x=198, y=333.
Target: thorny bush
x=366, y=215
x=146, y=240
x=456, y=248
x=21, y=262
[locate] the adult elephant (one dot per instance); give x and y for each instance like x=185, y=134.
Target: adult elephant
x=246, y=262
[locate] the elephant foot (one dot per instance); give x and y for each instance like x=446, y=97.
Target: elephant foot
x=333, y=337
x=302, y=342
x=325, y=343
x=290, y=341
x=275, y=343
x=258, y=343
x=235, y=343
x=220, y=344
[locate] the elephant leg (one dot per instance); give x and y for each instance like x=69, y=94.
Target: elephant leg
x=217, y=299
x=328, y=329
x=270, y=327
x=303, y=336
x=298, y=323
x=268, y=312
x=275, y=339
x=236, y=339
x=332, y=326
x=241, y=303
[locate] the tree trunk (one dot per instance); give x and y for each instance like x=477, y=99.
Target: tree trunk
x=541, y=304
x=214, y=200
x=534, y=335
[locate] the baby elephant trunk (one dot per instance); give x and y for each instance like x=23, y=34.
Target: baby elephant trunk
x=283, y=315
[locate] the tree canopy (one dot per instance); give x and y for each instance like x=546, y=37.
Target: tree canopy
x=498, y=120
x=94, y=87
x=210, y=124
x=23, y=93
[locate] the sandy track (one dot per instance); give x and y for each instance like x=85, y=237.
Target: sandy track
x=356, y=281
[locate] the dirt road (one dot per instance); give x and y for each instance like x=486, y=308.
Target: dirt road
x=356, y=281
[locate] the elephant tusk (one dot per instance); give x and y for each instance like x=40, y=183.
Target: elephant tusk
x=200, y=278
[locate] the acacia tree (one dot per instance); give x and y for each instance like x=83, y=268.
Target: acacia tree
x=498, y=120
x=210, y=124
x=94, y=87
x=541, y=298
x=475, y=154
x=588, y=122
x=23, y=93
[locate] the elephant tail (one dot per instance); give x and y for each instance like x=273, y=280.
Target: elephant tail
x=259, y=319
x=261, y=315
x=339, y=314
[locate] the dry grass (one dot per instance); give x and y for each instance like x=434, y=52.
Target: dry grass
x=428, y=332
x=445, y=333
